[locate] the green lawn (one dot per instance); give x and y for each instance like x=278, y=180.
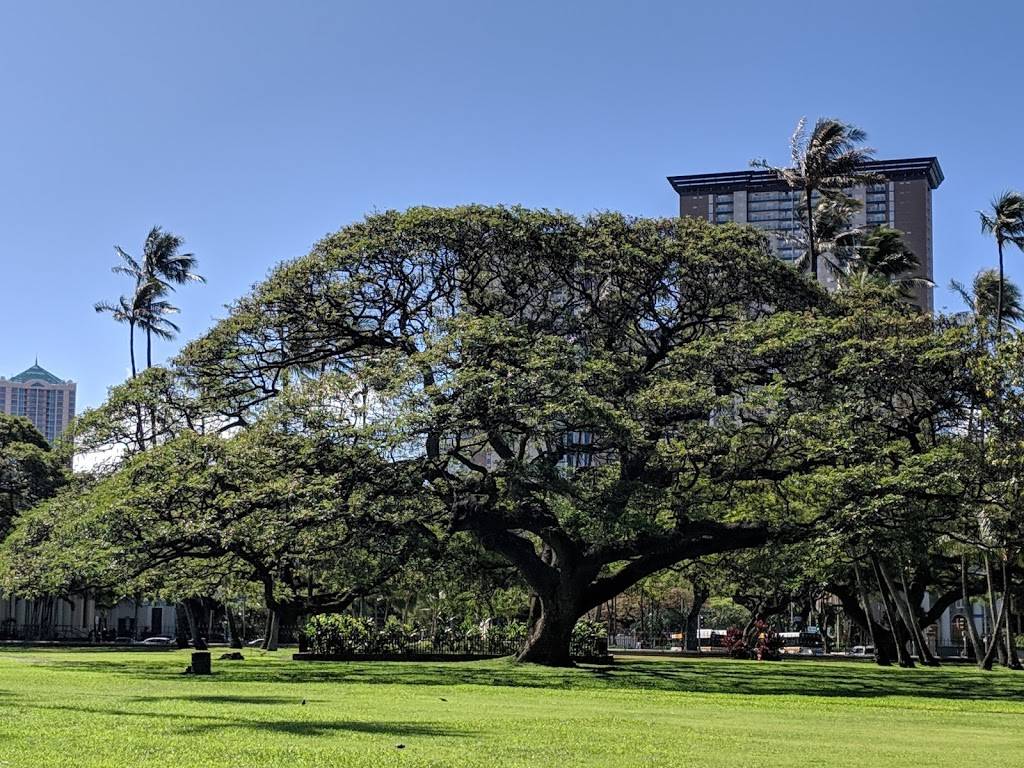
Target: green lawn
x=96, y=708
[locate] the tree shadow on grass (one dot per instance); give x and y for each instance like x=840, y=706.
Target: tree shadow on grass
x=718, y=676
x=224, y=699
x=327, y=727
x=200, y=722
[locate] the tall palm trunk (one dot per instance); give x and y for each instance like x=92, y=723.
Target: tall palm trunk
x=999, y=296
x=131, y=346
x=149, y=364
x=139, y=437
x=813, y=246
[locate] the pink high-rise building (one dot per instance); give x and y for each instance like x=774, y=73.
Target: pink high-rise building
x=41, y=397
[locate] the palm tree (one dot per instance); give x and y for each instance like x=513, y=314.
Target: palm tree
x=153, y=316
x=160, y=269
x=144, y=309
x=123, y=311
x=161, y=259
x=834, y=236
x=884, y=253
x=824, y=162
x=986, y=301
x=1006, y=223
x=882, y=257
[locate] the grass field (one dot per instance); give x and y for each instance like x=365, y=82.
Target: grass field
x=97, y=708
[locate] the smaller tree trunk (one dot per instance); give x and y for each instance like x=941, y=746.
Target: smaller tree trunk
x=995, y=643
x=136, y=603
x=181, y=625
x=972, y=631
x=1012, y=660
x=881, y=659
x=198, y=641
x=996, y=640
x=924, y=653
x=700, y=596
x=896, y=626
x=275, y=630
x=236, y=636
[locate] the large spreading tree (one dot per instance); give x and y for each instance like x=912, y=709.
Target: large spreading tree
x=593, y=400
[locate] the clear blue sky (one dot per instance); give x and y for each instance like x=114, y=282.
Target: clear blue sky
x=254, y=128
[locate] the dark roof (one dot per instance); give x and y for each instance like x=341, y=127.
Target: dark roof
x=704, y=183
x=37, y=373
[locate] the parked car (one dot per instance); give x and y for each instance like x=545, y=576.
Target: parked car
x=157, y=641
x=863, y=650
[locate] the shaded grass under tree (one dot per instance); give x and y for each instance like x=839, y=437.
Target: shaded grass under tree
x=98, y=708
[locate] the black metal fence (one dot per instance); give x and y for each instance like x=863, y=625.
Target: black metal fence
x=474, y=647
x=33, y=632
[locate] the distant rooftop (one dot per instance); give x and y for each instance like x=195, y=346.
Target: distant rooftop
x=37, y=373
x=704, y=183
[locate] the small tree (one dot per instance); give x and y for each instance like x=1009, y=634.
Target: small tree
x=30, y=471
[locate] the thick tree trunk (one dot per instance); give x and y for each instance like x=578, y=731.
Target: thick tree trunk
x=550, y=635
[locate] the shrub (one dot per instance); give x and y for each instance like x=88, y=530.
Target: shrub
x=768, y=644
x=338, y=634
x=395, y=636
x=763, y=644
x=735, y=643
x=589, y=638
x=511, y=631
